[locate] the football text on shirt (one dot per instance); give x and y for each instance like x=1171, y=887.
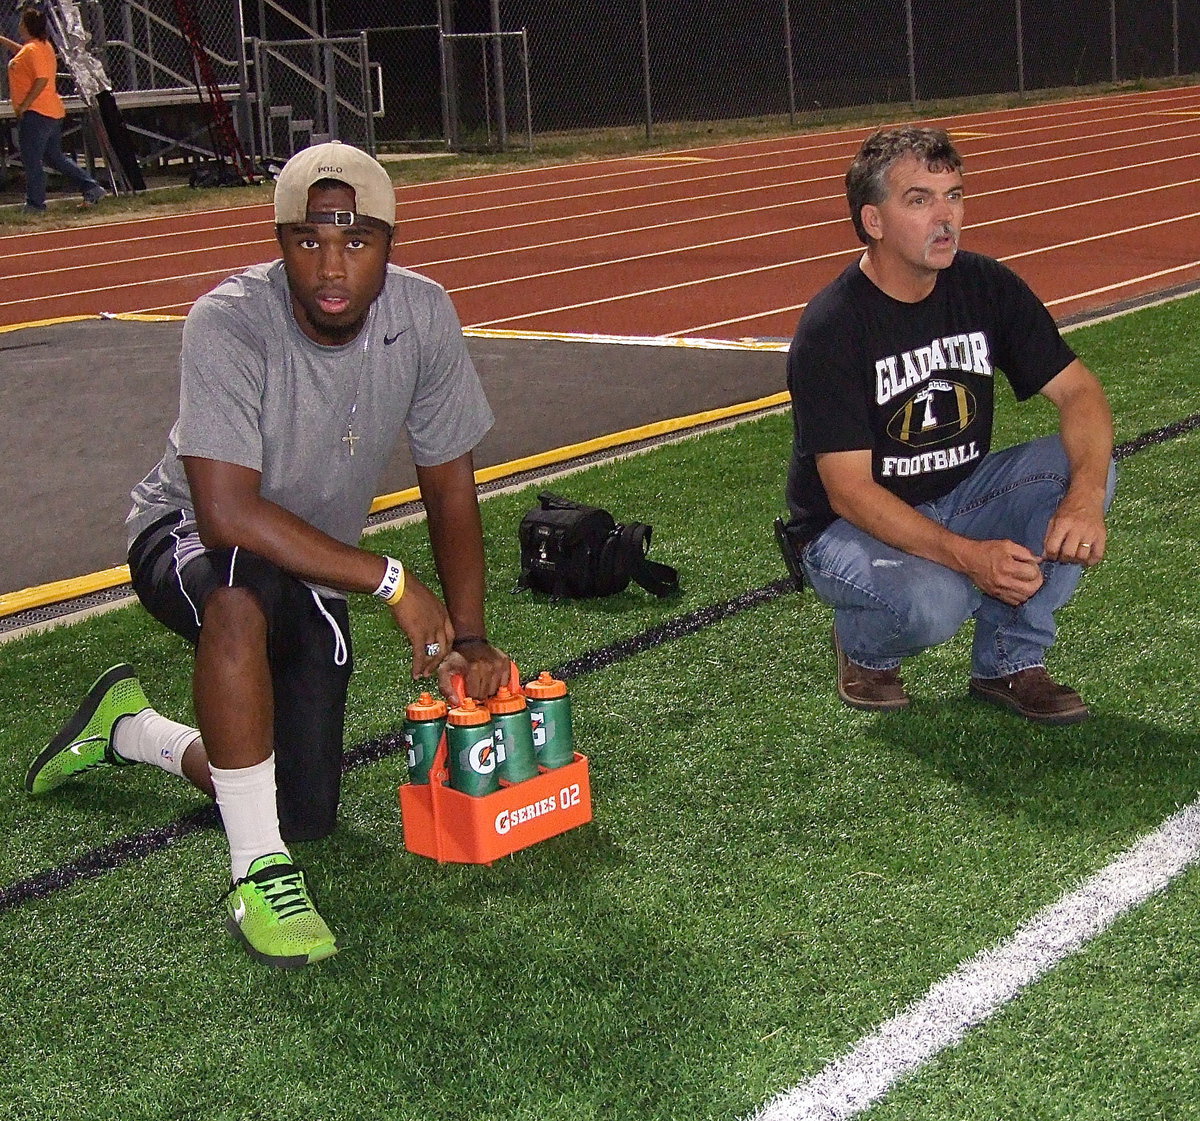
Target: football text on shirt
x=899, y=372
x=941, y=460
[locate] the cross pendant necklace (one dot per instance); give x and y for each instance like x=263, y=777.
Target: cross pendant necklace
x=350, y=436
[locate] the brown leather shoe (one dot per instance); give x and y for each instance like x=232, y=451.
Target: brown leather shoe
x=873, y=690
x=1034, y=694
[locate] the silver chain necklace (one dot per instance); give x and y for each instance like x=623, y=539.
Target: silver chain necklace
x=350, y=436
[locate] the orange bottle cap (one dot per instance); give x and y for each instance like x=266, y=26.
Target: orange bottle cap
x=426, y=707
x=544, y=687
x=468, y=713
x=504, y=701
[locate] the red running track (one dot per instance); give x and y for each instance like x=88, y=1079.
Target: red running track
x=1094, y=201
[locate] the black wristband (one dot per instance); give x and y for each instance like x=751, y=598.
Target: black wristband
x=470, y=640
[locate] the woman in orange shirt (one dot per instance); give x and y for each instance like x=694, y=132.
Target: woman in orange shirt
x=40, y=112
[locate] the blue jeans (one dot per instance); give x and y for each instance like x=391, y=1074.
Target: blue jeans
x=40, y=140
x=890, y=604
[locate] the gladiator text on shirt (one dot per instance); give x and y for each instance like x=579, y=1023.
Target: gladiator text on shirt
x=896, y=373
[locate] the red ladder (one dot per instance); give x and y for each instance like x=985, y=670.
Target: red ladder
x=226, y=145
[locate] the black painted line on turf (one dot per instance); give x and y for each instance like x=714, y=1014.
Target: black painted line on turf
x=670, y=630
x=138, y=845
x=1156, y=436
x=94, y=863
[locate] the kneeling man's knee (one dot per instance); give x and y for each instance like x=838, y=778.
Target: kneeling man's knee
x=935, y=613
x=236, y=613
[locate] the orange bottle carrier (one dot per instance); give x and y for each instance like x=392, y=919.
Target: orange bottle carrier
x=451, y=827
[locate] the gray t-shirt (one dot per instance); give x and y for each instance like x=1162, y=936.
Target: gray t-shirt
x=256, y=391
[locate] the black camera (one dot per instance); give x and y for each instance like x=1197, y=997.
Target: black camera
x=575, y=551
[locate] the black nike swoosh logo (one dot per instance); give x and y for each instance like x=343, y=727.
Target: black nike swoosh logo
x=389, y=339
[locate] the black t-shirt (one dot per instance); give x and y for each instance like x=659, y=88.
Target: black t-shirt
x=911, y=382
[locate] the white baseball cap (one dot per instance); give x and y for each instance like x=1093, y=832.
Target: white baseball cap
x=374, y=196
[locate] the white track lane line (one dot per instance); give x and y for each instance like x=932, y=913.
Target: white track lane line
x=597, y=264
x=1117, y=286
x=785, y=231
x=658, y=205
x=409, y=240
x=1068, y=111
x=1040, y=115
x=407, y=225
x=777, y=265
x=771, y=313
x=691, y=221
x=983, y=984
x=703, y=280
x=1159, y=275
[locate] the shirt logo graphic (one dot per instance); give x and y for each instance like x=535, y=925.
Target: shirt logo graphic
x=934, y=415
x=389, y=339
x=899, y=373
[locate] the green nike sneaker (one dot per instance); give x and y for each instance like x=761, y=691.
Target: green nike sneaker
x=86, y=739
x=271, y=913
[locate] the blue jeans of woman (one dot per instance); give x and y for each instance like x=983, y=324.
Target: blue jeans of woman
x=40, y=140
x=890, y=604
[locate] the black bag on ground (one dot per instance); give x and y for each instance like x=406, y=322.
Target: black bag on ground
x=577, y=551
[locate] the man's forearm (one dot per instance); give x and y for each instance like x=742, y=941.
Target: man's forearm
x=1086, y=429
x=232, y=514
x=885, y=517
x=279, y=536
x=456, y=535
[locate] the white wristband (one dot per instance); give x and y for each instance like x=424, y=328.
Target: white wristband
x=391, y=587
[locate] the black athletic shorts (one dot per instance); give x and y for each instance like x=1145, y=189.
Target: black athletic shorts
x=308, y=652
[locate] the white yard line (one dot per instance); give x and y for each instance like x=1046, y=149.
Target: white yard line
x=983, y=984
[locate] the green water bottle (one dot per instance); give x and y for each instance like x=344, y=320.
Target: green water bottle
x=471, y=749
x=424, y=721
x=516, y=759
x=550, y=717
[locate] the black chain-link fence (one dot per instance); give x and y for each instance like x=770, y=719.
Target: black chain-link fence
x=599, y=63
x=455, y=72
x=308, y=91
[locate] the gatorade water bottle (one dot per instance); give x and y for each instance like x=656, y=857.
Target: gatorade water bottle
x=424, y=720
x=550, y=716
x=471, y=749
x=516, y=759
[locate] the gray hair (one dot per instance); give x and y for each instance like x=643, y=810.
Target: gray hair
x=866, y=181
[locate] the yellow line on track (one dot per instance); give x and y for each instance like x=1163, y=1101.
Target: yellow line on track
x=59, y=591
x=43, y=595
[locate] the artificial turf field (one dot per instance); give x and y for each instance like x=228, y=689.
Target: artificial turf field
x=769, y=875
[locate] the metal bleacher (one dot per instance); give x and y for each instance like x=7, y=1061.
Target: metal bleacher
x=175, y=69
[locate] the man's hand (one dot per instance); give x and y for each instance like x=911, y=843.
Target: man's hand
x=1004, y=570
x=1076, y=533
x=422, y=616
x=483, y=668
x=455, y=532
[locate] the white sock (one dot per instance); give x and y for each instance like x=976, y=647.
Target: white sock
x=148, y=737
x=246, y=797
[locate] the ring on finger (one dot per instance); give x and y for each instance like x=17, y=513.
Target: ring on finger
x=432, y=649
